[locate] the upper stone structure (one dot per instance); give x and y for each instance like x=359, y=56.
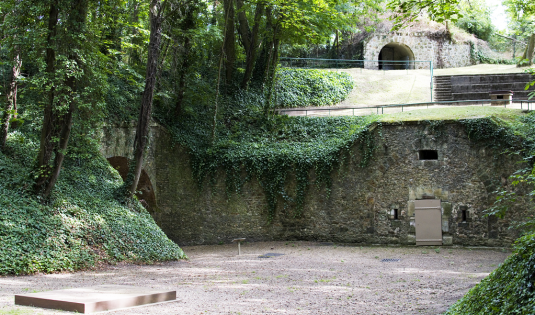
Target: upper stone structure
x=415, y=46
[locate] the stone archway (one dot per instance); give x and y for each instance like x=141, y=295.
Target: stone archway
x=145, y=192
x=397, y=52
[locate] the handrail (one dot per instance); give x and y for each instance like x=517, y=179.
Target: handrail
x=382, y=107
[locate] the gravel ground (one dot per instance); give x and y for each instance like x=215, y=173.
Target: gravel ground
x=308, y=278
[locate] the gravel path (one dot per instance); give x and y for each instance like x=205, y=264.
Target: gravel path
x=309, y=278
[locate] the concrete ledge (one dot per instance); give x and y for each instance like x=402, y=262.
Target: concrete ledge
x=95, y=299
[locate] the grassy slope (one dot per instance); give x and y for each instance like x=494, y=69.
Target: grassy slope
x=83, y=225
x=454, y=113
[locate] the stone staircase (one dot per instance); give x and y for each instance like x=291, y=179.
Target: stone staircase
x=442, y=89
x=477, y=87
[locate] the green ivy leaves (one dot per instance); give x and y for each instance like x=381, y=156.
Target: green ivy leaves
x=311, y=87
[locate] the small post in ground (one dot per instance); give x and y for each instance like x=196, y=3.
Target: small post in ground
x=238, y=240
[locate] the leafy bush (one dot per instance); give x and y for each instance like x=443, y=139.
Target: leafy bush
x=510, y=289
x=83, y=224
x=311, y=87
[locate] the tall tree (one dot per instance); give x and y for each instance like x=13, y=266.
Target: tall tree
x=65, y=86
x=156, y=16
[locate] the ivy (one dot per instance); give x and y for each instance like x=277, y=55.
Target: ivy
x=82, y=225
x=274, y=151
x=311, y=87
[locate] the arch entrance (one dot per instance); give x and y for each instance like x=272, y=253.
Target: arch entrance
x=397, y=52
x=145, y=191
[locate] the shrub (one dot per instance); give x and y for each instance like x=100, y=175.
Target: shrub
x=311, y=87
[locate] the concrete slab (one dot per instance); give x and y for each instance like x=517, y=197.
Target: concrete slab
x=95, y=299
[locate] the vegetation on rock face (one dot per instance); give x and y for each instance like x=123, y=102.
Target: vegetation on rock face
x=82, y=226
x=309, y=87
x=271, y=149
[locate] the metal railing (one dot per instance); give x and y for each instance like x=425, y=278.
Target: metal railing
x=524, y=105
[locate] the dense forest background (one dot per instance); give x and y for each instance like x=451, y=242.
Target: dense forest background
x=69, y=66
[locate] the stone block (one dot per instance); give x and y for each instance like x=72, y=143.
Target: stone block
x=95, y=299
x=446, y=209
x=411, y=239
x=445, y=225
x=447, y=240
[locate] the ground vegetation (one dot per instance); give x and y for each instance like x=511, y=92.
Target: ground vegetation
x=206, y=68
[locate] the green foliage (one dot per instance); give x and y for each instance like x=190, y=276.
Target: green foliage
x=82, y=225
x=311, y=87
x=406, y=11
x=510, y=289
x=530, y=84
x=271, y=150
x=476, y=19
x=477, y=56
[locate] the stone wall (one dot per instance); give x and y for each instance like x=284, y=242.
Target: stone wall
x=443, y=52
x=360, y=207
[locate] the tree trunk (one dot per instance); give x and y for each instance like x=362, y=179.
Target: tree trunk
x=189, y=24
x=46, y=145
x=62, y=124
x=249, y=39
x=11, y=104
x=140, y=141
x=529, y=50
x=230, y=41
x=66, y=125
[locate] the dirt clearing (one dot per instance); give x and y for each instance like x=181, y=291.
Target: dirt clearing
x=308, y=278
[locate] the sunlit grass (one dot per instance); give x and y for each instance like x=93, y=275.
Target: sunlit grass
x=453, y=113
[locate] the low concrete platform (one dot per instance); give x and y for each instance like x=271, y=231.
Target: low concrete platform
x=95, y=299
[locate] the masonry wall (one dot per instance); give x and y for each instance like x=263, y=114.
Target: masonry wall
x=443, y=52
x=359, y=209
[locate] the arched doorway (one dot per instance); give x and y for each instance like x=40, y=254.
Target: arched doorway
x=397, y=52
x=145, y=191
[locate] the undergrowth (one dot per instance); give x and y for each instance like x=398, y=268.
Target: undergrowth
x=81, y=226
x=311, y=87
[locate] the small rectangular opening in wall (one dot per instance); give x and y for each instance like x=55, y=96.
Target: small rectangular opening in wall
x=396, y=214
x=428, y=155
x=464, y=213
x=499, y=97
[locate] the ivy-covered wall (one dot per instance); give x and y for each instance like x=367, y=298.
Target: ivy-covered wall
x=360, y=206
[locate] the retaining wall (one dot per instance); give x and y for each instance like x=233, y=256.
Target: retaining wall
x=360, y=206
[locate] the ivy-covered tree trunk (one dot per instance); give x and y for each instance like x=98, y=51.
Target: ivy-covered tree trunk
x=140, y=141
x=11, y=102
